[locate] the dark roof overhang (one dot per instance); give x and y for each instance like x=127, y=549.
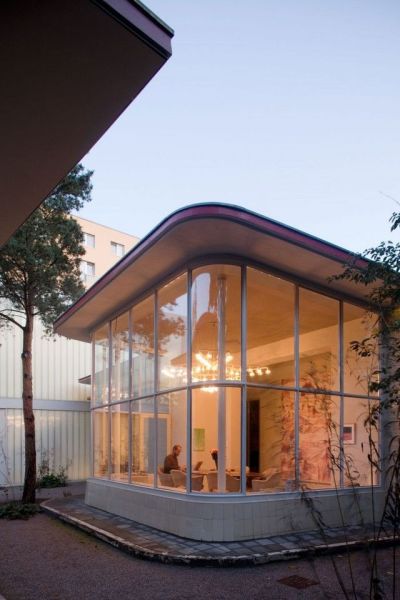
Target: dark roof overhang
x=205, y=230
x=68, y=70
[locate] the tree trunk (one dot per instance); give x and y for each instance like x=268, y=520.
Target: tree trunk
x=29, y=419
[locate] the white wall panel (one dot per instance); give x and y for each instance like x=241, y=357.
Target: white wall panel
x=58, y=364
x=10, y=362
x=62, y=437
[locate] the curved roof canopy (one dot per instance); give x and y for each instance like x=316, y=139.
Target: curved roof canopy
x=68, y=70
x=199, y=231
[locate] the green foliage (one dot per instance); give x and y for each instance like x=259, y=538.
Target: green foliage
x=40, y=276
x=49, y=478
x=39, y=266
x=381, y=271
x=53, y=480
x=18, y=510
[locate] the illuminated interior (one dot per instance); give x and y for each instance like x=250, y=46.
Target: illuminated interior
x=248, y=381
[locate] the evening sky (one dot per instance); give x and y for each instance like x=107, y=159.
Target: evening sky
x=289, y=108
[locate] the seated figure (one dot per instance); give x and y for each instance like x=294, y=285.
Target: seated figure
x=171, y=460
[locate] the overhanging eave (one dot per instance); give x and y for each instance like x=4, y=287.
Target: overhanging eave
x=203, y=231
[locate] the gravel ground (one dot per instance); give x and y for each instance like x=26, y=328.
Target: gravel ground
x=44, y=559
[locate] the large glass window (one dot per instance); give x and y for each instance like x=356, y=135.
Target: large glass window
x=172, y=326
x=360, y=442
x=270, y=329
x=101, y=365
x=216, y=323
x=171, y=440
x=319, y=440
x=119, y=441
x=120, y=358
x=360, y=365
x=143, y=439
x=101, y=439
x=216, y=439
x=318, y=341
x=143, y=347
x=270, y=451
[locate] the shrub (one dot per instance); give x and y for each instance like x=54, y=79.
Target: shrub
x=18, y=510
x=48, y=478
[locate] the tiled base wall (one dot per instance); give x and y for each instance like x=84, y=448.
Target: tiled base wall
x=217, y=519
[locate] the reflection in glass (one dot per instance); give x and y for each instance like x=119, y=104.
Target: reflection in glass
x=119, y=441
x=101, y=369
x=361, y=442
x=143, y=441
x=216, y=440
x=318, y=341
x=171, y=431
x=120, y=357
x=101, y=439
x=359, y=371
x=216, y=323
x=319, y=437
x=216, y=410
x=143, y=347
x=270, y=329
x=172, y=325
x=270, y=440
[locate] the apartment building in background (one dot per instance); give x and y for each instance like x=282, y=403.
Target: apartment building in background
x=104, y=247
x=61, y=401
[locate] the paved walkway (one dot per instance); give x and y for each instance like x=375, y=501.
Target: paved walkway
x=146, y=542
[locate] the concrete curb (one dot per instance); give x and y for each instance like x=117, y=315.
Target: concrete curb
x=206, y=560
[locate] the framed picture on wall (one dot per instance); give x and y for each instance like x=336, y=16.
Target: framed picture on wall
x=349, y=433
x=199, y=439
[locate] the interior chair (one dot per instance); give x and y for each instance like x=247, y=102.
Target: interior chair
x=232, y=483
x=165, y=478
x=139, y=478
x=197, y=483
x=271, y=478
x=178, y=478
x=212, y=480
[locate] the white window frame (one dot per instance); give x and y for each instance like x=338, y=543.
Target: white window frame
x=118, y=249
x=89, y=239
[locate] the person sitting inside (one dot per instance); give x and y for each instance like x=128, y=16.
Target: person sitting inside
x=171, y=461
x=214, y=456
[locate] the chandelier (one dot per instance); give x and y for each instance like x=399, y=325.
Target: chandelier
x=206, y=368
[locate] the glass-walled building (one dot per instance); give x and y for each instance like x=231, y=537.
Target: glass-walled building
x=228, y=384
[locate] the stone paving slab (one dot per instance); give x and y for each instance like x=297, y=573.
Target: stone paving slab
x=146, y=542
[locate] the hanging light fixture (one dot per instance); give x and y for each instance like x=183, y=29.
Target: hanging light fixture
x=206, y=369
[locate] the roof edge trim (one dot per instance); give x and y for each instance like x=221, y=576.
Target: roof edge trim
x=136, y=17
x=218, y=211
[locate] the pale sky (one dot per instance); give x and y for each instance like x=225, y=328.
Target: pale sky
x=290, y=108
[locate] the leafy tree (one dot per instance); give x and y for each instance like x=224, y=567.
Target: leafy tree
x=382, y=275
x=40, y=277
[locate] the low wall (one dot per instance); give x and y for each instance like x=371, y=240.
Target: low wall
x=232, y=518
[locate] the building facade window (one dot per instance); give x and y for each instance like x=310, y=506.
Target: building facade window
x=88, y=271
x=117, y=249
x=251, y=376
x=89, y=239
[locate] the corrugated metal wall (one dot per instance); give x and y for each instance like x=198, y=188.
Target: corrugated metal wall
x=58, y=364
x=62, y=436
